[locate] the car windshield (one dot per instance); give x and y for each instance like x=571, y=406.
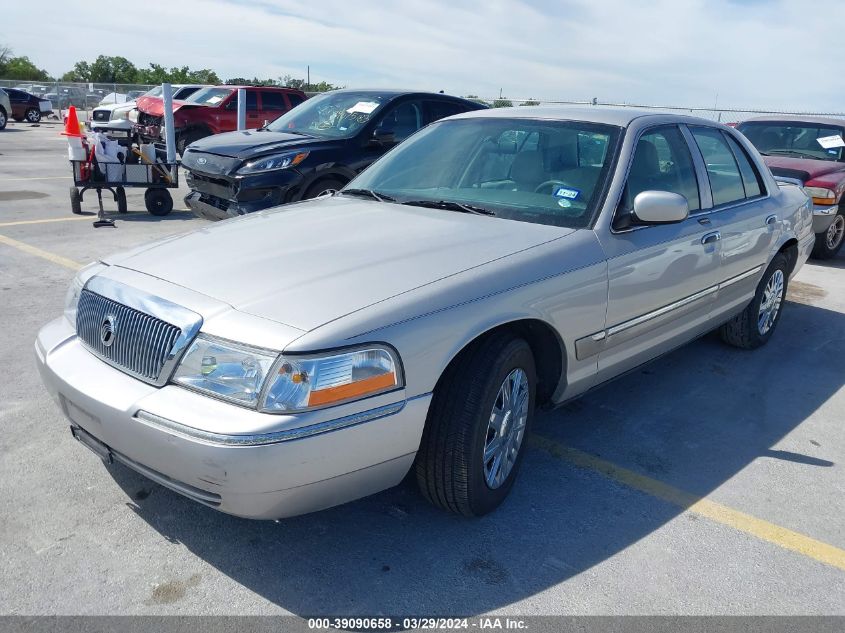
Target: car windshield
x=155, y=92
x=330, y=115
x=796, y=139
x=209, y=96
x=530, y=170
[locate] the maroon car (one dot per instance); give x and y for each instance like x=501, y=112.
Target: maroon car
x=812, y=151
x=27, y=107
x=214, y=110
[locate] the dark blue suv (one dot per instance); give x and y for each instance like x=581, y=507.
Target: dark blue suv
x=314, y=149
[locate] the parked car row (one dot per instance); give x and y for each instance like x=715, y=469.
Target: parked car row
x=496, y=262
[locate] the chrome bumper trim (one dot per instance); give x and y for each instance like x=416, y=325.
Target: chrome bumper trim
x=220, y=439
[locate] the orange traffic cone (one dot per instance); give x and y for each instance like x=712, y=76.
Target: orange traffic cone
x=72, y=123
x=75, y=149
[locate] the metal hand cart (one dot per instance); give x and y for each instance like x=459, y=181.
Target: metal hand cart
x=156, y=178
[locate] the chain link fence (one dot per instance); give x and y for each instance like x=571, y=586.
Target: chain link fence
x=84, y=96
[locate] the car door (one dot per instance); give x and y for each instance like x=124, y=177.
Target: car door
x=273, y=105
x=662, y=279
x=18, y=101
x=746, y=218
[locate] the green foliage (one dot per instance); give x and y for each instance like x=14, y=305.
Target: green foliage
x=119, y=70
x=530, y=102
x=12, y=67
x=300, y=84
x=502, y=102
x=476, y=99
x=255, y=81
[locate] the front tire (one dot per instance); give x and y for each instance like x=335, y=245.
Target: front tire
x=187, y=138
x=829, y=242
x=32, y=115
x=481, y=412
x=3, y=119
x=159, y=202
x=323, y=188
x=754, y=326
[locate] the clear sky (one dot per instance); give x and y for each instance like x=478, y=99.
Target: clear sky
x=779, y=54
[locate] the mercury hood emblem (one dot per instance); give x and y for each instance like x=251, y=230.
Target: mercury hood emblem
x=108, y=331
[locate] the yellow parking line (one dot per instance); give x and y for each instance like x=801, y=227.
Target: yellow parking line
x=45, y=220
x=780, y=536
x=32, y=250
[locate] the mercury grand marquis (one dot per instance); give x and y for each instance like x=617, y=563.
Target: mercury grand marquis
x=495, y=263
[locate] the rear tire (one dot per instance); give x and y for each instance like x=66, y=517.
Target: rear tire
x=75, y=201
x=829, y=242
x=159, y=202
x=451, y=468
x=3, y=119
x=754, y=326
x=120, y=197
x=32, y=115
x=323, y=187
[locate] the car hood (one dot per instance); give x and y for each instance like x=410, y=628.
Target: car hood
x=802, y=168
x=250, y=143
x=114, y=107
x=155, y=105
x=313, y=262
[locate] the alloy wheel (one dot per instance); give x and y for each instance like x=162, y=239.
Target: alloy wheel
x=506, y=428
x=770, y=304
x=835, y=231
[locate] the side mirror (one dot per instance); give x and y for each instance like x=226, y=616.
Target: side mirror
x=383, y=137
x=660, y=207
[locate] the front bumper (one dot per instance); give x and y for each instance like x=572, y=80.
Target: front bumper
x=823, y=217
x=303, y=464
x=217, y=197
x=121, y=134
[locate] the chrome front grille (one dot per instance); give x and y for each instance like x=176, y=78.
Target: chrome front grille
x=101, y=115
x=129, y=339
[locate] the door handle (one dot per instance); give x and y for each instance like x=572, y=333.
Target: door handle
x=711, y=238
x=771, y=220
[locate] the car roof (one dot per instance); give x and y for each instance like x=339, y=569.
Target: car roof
x=620, y=117
x=392, y=93
x=797, y=118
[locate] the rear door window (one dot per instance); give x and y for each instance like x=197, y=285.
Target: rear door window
x=436, y=110
x=750, y=177
x=726, y=182
x=272, y=101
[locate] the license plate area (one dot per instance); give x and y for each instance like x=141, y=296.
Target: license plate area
x=92, y=443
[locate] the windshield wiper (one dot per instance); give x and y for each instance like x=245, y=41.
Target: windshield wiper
x=792, y=152
x=381, y=197
x=450, y=205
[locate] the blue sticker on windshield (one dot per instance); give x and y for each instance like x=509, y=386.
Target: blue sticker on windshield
x=565, y=192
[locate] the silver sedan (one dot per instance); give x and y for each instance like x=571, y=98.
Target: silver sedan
x=497, y=262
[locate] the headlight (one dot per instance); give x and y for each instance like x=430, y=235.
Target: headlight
x=133, y=115
x=273, y=162
x=820, y=195
x=297, y=383
x=76, y=286
x=228, y=370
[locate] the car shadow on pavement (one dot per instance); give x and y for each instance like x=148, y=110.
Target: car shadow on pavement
x=693, y=419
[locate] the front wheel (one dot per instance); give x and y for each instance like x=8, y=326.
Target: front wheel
x=120, y=197
x=323, y=188
x=3, y=119
x=480, y=414
x=754, y=326
x=158, y=201
x=32, y=115
x=75, y=201
x=829, y=242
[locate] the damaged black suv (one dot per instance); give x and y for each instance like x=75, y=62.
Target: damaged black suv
x=314, y=149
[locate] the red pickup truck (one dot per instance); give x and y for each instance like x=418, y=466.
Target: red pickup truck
x=213, y=110
x=810, y=150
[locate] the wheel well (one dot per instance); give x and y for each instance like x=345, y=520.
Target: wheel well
x=790, y=248
x=548, y=350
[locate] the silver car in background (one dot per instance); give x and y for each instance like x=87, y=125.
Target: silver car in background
x=496, y=262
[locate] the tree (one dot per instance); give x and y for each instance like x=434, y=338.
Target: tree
x=12, y=67
x=530, y=102
x=476, y=99
x=300, y=84
x=502, y=102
